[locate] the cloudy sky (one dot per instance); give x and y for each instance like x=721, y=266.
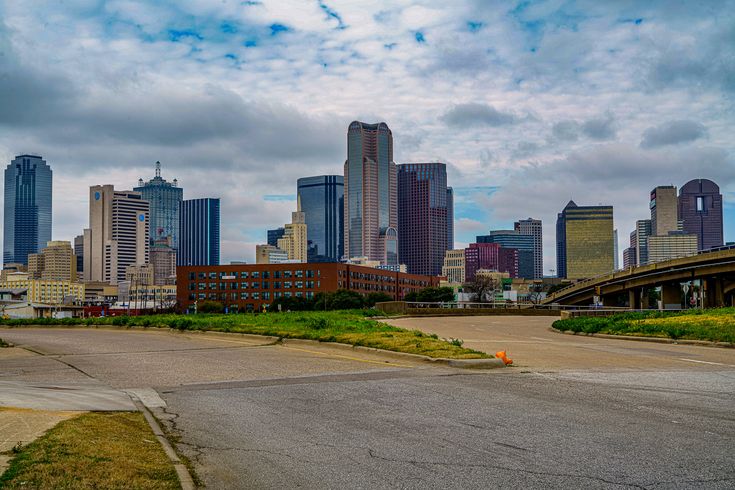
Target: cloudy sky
x=530, y=104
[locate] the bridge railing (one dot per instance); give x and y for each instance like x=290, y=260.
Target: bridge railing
x=502, y=305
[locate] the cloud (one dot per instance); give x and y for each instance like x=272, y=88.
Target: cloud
x=473, y=114
x=672, y=133
x=601, y=128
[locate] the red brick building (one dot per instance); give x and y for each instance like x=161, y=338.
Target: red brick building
x=249, y=287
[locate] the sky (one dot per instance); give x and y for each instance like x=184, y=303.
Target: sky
x=530, y=104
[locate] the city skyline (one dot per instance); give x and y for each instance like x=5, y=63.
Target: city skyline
x=523, y=116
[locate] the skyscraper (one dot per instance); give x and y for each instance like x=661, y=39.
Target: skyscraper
x=450, y=218
x=28, y=188
x=664, y=214
x=322, y=201
x=56, y=262
x=118, y=233
x=534, y=228
x=165, y=201
x=642, y=231
x=274, y=235
x=700, y=210
x=371, y=214
x=199, y=238
x=294, y=241
x=585, y=241
x=512, y=239
x=422, y=217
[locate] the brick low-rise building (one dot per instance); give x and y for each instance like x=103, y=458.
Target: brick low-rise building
x=249, y=287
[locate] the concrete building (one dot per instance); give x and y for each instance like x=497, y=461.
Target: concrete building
x=165, y=206
x=118, y=233
x=423, y=214
x=45, y=291
x=139, y=274
x=268, y=254
x=163, y=261
x=294, y=240
x=700, y=210
x=10, y=268
x=56, y=262
x=371, y=202
x=375, y=264
x=199, y=243
x=254, y=286
x=534, y=228
x=322, y=201
x=664, y=210
x=671, y=246
x=585, y=241
x=512, y=239
x=454, y=266
x=27, y=218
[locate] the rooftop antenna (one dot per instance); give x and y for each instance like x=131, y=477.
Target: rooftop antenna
x=158, y=169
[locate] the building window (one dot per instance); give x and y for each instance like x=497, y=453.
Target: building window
x=287, y=285
x=265, y=275
x=265, y=285
x=266, y=295
x=244, y=285
x=213, y=275
x=276, y=274
x=212, y=285
x=299, y=284
x=244, y=295
x=244, y=275
x=700, y=204
x=299, y=273
x=201, y=275
x=256, y=295
x=287, y=274
x=310, y=273
x=256, y=274
x=192, y=276
x=276, y=284
x=256, y=285
x=277, y=294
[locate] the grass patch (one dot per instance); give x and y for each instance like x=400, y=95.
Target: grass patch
x=95, y=450
x=355, y=327
x=716, y=325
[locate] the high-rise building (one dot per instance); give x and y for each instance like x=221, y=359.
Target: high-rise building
x=274, y=235
x=700, y=210
x=268, y=254
x=163, y=261
x=450, y=218
x=534, y=228
x=639, y=240
x=512, y=239
x=585, y=243
x=294, y=241
x=371, y=203
x=629, y=257
x=422, y=217
x=490, y=256
x=664, y=213
x=56, y=262
x=28, y=188
x=117, y=236
x=199, y=240
x=616, y=251
x=454, y=266
x=79, y=252
x=675, y=244
x=165, y=202
x=322, y=201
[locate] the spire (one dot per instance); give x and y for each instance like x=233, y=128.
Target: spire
x=158, y=169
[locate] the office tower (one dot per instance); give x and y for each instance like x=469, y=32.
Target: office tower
x=28, y=188
x=512, y=239
x=664, y=213
x=422, y=217
x=371, y=215
x=268, y=254
x=629, y=257
x=294, y=241
x=615, y=250
x=454, y=266
x=79, y=252
x=274, y=235
x=163, y=261
x=490, y=256
x=639, y=239
x=450, y=218
x=584, y=241
x=199, y=229
x=674, y=245
x=165, y=202
x=534, y=228
x=56, y=262
x=117, y=236
x=700, y=210
x=322, y=201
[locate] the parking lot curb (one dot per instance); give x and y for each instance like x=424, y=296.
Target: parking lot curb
x=657, y=340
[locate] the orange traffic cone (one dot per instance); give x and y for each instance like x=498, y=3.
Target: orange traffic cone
x=502, y=355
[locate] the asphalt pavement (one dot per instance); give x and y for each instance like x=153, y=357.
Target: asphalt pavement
x=255, y=415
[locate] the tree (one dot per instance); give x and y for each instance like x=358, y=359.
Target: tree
x=431, y=295
x=293, y=303
x=536, y=293
x=346, y=300
x=210, y=307
x=481, y=287
x=373, y=298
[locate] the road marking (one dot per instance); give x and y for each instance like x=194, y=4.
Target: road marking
x=223, y=340
x=382, y=363
x=539, y=338
x=706, y=362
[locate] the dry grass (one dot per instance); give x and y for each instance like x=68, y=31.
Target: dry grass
x=114, y=450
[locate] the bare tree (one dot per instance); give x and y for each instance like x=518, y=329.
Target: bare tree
x=481, y=287
x=536, y=293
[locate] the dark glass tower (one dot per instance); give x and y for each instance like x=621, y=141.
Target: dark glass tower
x=450, y=218
x=700, y=210
x=322, y=202
x=28, y=185
x=422, y=217
x=165, y=200
x=200, y=232
x=512, y=239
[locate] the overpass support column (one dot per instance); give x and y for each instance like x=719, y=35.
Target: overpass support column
x=634, y=299
x=644, y=299
x=715, y=295
x=670, y=295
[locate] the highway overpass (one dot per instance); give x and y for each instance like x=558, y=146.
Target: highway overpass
x=712, y=273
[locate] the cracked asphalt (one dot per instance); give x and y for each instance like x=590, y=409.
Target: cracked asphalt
x=253, y=415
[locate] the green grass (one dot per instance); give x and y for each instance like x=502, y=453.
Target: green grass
x=115, y=450
x=353, y=327
x=716, y=325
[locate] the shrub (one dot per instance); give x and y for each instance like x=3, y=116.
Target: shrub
x=373, y=298
x=210, y=307
x=347, y=300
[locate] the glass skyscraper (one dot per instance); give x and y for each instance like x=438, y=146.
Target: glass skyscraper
x=700, y=210
x=371, y=215
x=584, y=241
x=165, y=200
x=513, y=239
x=200, y=232
x=28, y=184
x=322, y=202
